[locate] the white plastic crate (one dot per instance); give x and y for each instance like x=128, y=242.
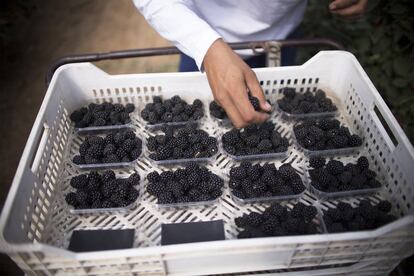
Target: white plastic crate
x=36, y=225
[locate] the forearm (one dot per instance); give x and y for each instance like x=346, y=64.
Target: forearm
x=178, y=23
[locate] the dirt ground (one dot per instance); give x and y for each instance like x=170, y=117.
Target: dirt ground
x=44, y=30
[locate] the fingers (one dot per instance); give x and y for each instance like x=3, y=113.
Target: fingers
x=349, y=9
x=351, y=12
x=342, y=4
x=256, y=90
x=225, y=101
x=240, y=99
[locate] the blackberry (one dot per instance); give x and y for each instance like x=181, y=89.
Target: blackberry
x=254, y=102
x=264, y=145
x=135, y=154
x=128, y=145
x=345, y=177
x=78, y=160
x=109, y=149
x=134, y=179
x=71, y=199
x=155, y=188
x=340, y=141
x=217, y=111
x=336, y=228
x=317, y=162
x=94, y=195
x=95, y=140
x=334, y=214
x=108, y=188
x=362, y=163
x=132, y=196
x=286, y=171
x=95, y=151
x=129, y=108
x=254, y=172
x=384, y=206
x=309, y=212
x=335, y=167
x=297, y=210
x=297, y=185
x=93, y=185
x=112, y=158
x=354, y=141
x=237, y=172
x=90, y=160
x=289, y=92
x=107, y=176
x=291, y=225
x=82, y=197
x=107, y=204
x=79, y=181
x=166, y=176
x=121, y=153
x=253, y=219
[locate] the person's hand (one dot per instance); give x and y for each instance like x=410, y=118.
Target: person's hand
x=230, y=78
x=348, y=9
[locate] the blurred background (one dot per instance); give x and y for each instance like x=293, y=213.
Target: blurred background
x=33, y=33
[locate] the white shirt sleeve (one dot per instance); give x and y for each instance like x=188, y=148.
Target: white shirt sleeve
x=176, y=21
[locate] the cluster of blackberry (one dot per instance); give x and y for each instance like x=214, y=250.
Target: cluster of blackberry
x=337, y=177
x=325, y=134
x=277, y=220
x=254, y=139
x=365, y=216
x=104, y=190
x=218, y=112
x=297, y=103
x=183, y=143
x=103, y=114
x=172, y=110
x=113, y=148
x=256, y=181
x=191, y=184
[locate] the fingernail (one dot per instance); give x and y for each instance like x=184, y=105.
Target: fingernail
x=267, y=106
x=332, y=6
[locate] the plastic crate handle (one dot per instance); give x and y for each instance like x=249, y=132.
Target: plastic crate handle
x=40, y=146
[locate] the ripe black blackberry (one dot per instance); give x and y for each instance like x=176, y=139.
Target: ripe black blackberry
x=108, y=188
x=317, y=162
x=354, y=141
x=253, y=219
x=71, y=199
x=297, y=185
x=217, y=111
x=165, y=198
x=134, y=179
x=287, y=171
x=254, y=102
x=79, y=181
x=335, y=167
x=82, y=197
x=309, y=213
x=363, y=163
x=297, y=210
x=155, y=188
x=237, y=172
x=384, y=206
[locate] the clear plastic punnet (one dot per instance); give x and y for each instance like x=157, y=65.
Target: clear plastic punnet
x=275, y=198
x=327, y=152
x=291, y=116
x=66, y=188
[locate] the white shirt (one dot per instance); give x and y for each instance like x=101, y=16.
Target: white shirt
x=194, y=25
